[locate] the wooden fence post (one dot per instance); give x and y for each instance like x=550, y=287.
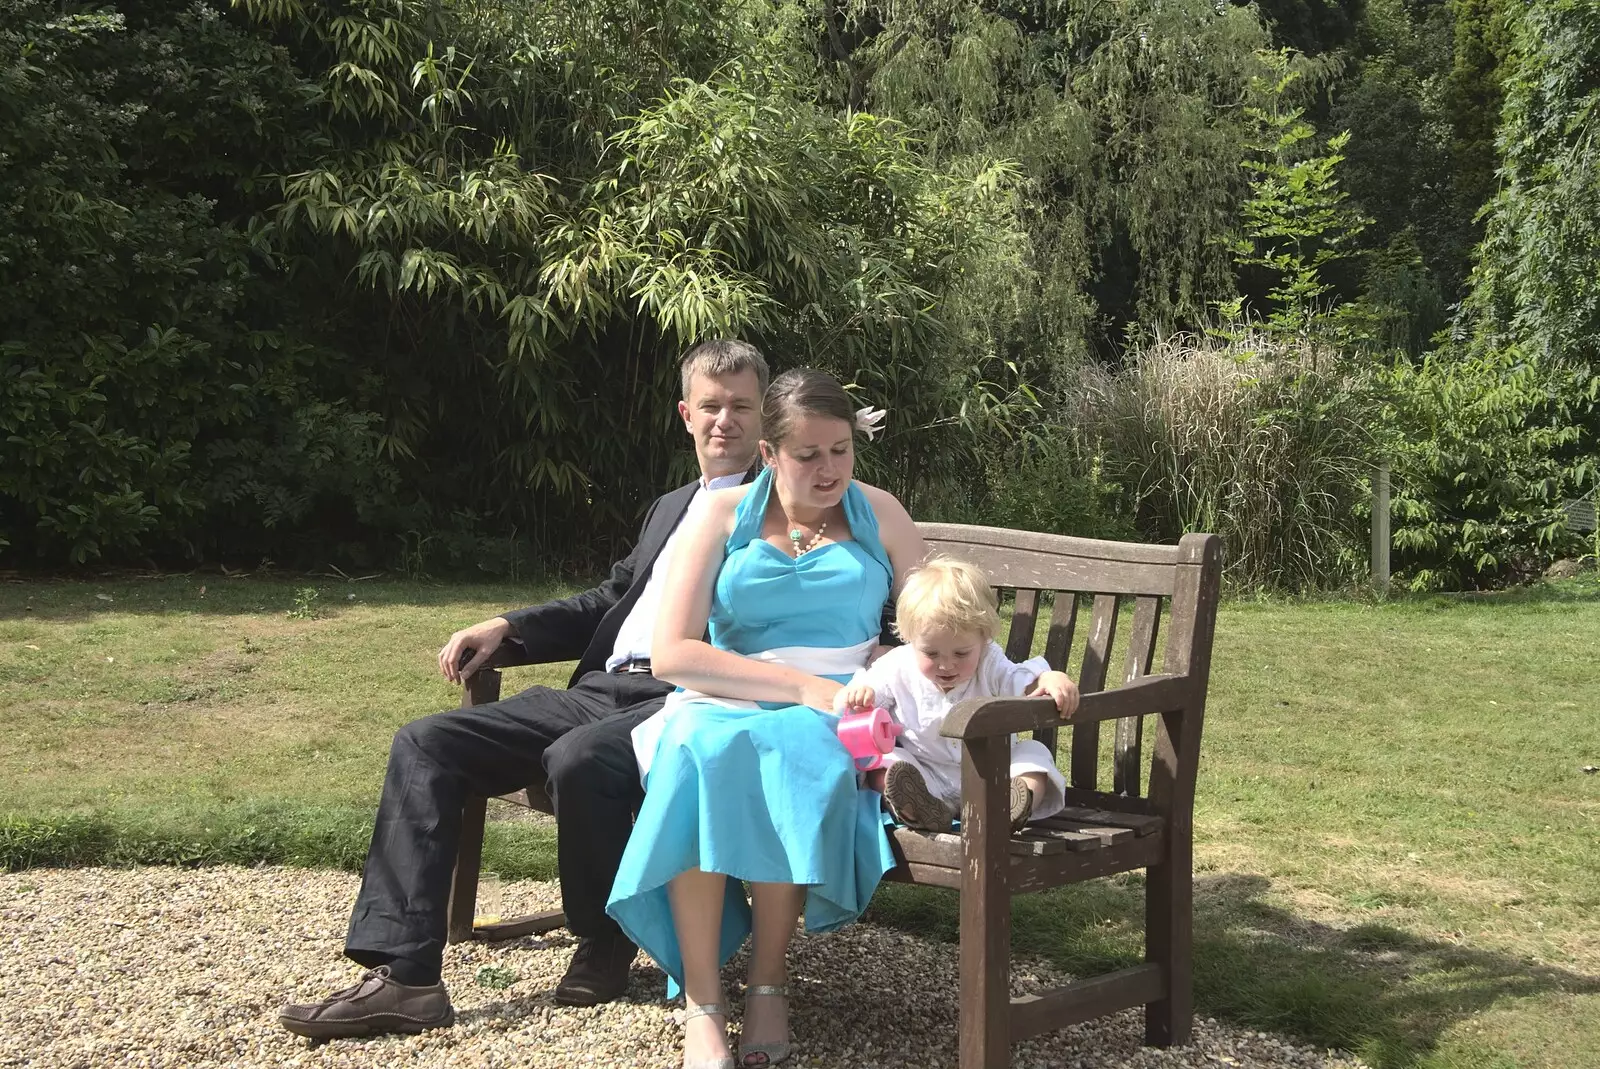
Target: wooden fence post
x=1380, y=528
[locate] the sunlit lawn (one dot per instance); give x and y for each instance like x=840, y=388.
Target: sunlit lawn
x=1396, y=843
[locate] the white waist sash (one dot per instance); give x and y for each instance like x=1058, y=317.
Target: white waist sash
x=817, y=660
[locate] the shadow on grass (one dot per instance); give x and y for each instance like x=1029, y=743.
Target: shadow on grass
x=1383, y=993
x=79, y=600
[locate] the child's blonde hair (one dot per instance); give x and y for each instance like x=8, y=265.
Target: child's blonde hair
x=945, y=594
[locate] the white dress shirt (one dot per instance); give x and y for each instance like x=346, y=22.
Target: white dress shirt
x=633, y=638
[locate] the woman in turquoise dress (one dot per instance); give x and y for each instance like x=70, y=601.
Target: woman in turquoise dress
x=745, y=778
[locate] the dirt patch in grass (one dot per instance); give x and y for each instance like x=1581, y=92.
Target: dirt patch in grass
x=1446, y=884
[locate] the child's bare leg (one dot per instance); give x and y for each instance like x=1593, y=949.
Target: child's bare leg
x=1038, y=784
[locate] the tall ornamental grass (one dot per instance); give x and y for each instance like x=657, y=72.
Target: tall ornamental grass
x=1262, y=441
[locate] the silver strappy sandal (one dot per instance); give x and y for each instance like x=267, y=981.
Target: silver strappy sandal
x=709, y=1009
x=761, y=1055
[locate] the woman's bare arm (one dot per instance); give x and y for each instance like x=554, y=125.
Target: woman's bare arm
x=680, y=654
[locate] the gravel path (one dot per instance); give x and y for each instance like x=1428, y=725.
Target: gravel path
x=170, y=967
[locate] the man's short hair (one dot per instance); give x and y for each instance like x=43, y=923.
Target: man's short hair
x=722, y=357
x=945, y=594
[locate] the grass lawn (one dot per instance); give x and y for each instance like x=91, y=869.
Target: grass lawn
x=1396, y=845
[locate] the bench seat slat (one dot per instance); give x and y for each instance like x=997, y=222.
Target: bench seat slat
x=1042, y=845
x=1137, y=823
x=1034, y=841
x=1068, y=838
x=925, y=875
x=1066, y=825
x=1029, y=874
x=1083, y=799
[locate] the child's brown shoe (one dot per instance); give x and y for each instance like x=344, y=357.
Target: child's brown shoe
x=910, y=801
x=1021, y=803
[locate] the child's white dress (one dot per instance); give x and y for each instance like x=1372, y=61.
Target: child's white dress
x=921, y=707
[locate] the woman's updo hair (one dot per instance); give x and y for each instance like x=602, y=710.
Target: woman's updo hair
x=805, y=391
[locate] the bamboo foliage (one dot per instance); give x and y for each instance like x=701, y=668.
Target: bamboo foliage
x=531, y=192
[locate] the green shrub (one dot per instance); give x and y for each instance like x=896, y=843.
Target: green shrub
x=1482, y=467
x=154, y=394
x=1500, y=426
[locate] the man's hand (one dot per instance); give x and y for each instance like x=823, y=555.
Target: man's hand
x=854, y=696
x=482, y=639
x=1059, y=686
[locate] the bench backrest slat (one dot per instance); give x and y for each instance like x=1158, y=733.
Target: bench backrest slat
x=1026, y=560
x=1058, y=647
x=1130, y=730
x=1091, y=680
x=1024, y=620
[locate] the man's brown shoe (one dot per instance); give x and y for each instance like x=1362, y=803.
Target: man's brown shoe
x=599, y=970
x=374, y=1006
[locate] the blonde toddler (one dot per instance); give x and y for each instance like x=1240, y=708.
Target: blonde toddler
x=948, y=617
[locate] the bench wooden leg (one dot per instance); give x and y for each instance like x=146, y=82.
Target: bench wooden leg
x=985, y=1039
x=464, y=889
x=1169, y=943
x=484, y=687
x=469, y=859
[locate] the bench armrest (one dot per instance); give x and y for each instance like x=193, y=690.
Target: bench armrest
x=509, y=655
x=978, y=718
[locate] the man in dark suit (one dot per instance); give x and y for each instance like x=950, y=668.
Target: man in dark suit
x=580, y=734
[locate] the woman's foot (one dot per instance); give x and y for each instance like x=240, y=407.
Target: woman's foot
x=705, y=1037
x=766, y=1017
x=910, y=801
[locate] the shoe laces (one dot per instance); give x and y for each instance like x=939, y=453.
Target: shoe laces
x=381, y=974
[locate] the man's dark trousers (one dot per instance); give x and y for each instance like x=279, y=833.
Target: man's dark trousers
x=582, y=737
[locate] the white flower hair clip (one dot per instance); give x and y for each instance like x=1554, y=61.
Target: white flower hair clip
x=869, y=421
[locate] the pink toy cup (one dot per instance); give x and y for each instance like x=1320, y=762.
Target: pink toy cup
x=868, y=735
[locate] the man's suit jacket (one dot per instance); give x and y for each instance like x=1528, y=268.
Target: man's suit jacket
x=585, y=625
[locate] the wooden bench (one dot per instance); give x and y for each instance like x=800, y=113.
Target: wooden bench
x=1138, y=815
